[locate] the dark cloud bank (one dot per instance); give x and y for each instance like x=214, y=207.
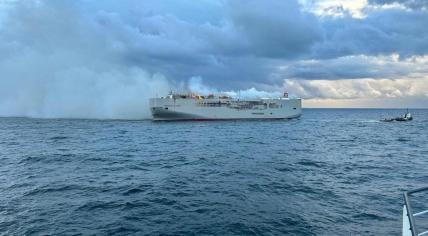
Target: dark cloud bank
x=104, y=59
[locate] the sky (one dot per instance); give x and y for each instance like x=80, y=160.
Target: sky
x=104, y=59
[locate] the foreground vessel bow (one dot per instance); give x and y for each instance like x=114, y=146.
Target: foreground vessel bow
x=197, y=107
x=409, y=224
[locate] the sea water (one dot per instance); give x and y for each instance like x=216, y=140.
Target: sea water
x=330, y=172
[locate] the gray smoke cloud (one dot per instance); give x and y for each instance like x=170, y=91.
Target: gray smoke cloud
x=94, y=59
x=83, y=59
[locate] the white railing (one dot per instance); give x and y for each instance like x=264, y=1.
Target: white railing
x=409, y=226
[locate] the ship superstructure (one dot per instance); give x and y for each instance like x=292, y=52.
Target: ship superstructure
x=197, y=107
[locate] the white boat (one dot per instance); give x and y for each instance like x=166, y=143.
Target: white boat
x=196, y=107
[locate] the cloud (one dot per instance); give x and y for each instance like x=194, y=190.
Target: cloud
x=359, y=88
x=336, y=8
x=356, y=67
x=238, y=40
x=412, y=4
x=381, y=32
x=277, y=29
x=382, y=81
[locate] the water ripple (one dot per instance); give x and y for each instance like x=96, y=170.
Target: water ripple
x=331, y=172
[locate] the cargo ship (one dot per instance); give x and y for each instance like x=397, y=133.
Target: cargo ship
x=193, y=106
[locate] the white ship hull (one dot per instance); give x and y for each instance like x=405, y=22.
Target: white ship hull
x=222, y=109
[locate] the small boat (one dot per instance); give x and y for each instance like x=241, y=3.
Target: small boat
x=406, y=117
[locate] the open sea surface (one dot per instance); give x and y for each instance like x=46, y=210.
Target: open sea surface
x=330, y=172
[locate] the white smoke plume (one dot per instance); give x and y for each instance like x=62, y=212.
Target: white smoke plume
x=196, y=85
x=59, y=63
